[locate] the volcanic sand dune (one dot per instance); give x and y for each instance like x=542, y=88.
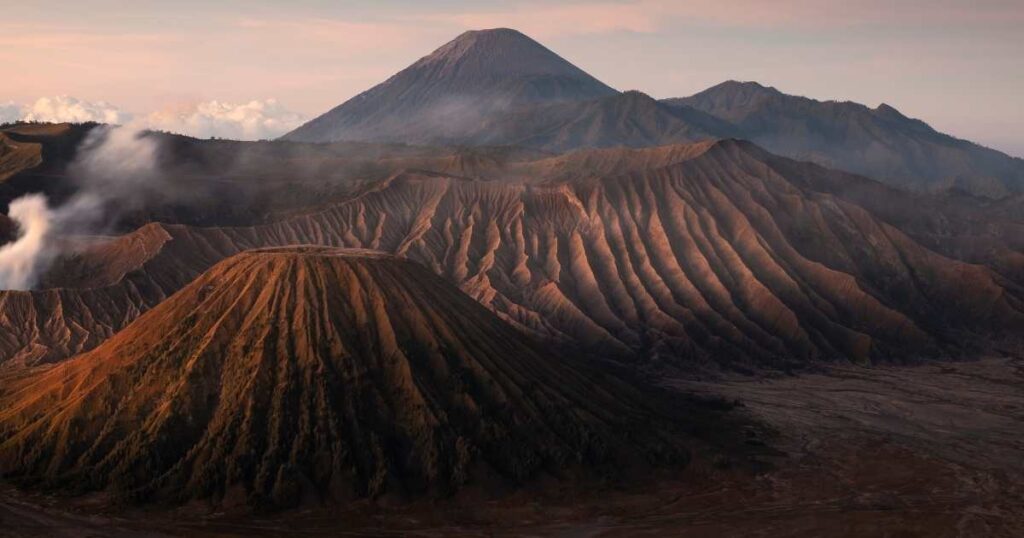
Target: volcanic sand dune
x=309, y=373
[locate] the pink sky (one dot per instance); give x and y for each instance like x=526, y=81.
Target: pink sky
x=955, y=64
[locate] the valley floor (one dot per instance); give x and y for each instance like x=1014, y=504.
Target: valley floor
x=935, y=450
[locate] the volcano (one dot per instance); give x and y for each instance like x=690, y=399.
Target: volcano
x=454, y=89
x=310, y=373
x=500, y=87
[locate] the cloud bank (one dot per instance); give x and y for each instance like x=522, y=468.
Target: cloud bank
x=246, y=121
x=254, y=120
x=64, y=108
x=10, y=112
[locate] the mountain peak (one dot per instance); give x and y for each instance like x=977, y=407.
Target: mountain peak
x=741, y=89
x=448, y=92
x=500, y=51
x=490, y=36
x=632, y=98
x=888, y=111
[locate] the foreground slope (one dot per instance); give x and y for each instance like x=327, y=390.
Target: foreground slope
x=878, y=142
x=309, y=373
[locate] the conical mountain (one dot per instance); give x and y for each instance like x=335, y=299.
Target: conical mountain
x=314, y=374
x=450, y=91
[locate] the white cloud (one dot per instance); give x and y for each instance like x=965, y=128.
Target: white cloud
x=10, y=112
x=254, y=120
x=247, y=121
x=69, y=109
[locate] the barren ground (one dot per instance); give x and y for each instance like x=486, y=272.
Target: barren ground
x=924, y=451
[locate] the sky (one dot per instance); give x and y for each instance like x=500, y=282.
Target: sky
x=254, y=69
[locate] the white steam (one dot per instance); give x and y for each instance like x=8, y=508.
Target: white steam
x=116, y=169
x=115, y=172
x=20, y=260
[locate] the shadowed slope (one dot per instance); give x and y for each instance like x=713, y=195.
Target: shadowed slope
x=317, y=374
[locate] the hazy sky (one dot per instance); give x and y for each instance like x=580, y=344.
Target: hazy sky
x=958, y=65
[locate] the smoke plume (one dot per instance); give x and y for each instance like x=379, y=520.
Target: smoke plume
x=115, y=171
x=20, y=260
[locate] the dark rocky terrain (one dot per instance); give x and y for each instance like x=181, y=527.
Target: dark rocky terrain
x=924, y=451
x=494, y=296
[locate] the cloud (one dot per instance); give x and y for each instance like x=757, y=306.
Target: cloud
x=247, y=121
x=254, y=120
x=10, y=112
x=69, y=109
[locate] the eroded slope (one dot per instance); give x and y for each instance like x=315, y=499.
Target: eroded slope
x=707, y=255
x=316, y=374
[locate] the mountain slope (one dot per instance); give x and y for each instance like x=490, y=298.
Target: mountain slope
x=717, y=255
x=319, y=374
x=630, y=119
x=880, y=143
x=15, y=157
x=452, y=90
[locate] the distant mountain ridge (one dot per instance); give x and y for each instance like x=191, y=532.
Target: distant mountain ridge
x=500, y=87
x=878, y=142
